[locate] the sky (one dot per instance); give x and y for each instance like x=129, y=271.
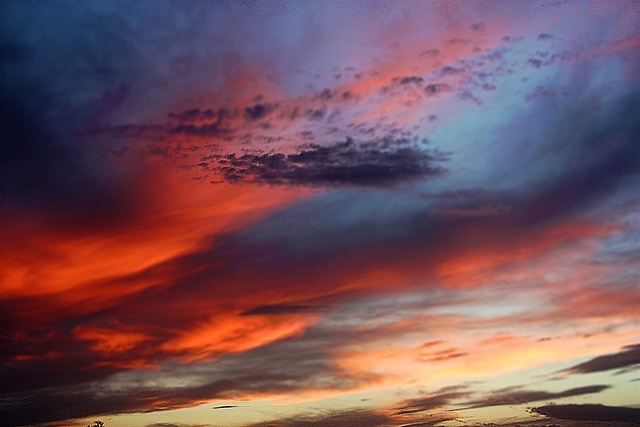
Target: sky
x=292, y=213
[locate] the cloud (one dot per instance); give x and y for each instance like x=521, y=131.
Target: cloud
x=354, y=417
x=589, y=412
x=204, y=129
x=442, y=355
x=430, y=403
x=283, y=368
x=333, y=418
x=374, y=163
x=443, y=397
x=197, y=114
x=410, y=79
x=629, y=356
x=278, y=309
x=603, y=151
x=248, y=284
x=435, y=88
x=47, y=405
x=514, y=396
x=258, y=111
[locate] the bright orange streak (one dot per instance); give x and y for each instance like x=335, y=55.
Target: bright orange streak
x=110, y=340
x=226, y=334
x=177, y=215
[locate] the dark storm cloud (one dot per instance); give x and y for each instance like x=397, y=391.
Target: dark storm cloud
x=375, y=163
x=515, y=396
x=589, y=412
x=629, y=356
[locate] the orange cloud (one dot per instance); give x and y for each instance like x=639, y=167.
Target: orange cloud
x=226, y=333
x=110, y=340
x=75, y=267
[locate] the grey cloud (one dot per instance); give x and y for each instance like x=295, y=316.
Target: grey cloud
x=431, y=402
x=335, y=418
x=629, y=356
x=442, y=397
x=591, y=413
x=448, y=70
x=515, y=396
x=258, y=111
x=315, y=114
x=436, y=88
x=411, y=79
x=47, y=405
x=374, y=163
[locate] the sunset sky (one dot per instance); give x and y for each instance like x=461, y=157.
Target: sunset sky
x=320, y=213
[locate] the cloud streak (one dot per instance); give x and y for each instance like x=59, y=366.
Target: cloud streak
x=590, y=413
x=628, y=357
x=514, y=396
x=374, y=163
